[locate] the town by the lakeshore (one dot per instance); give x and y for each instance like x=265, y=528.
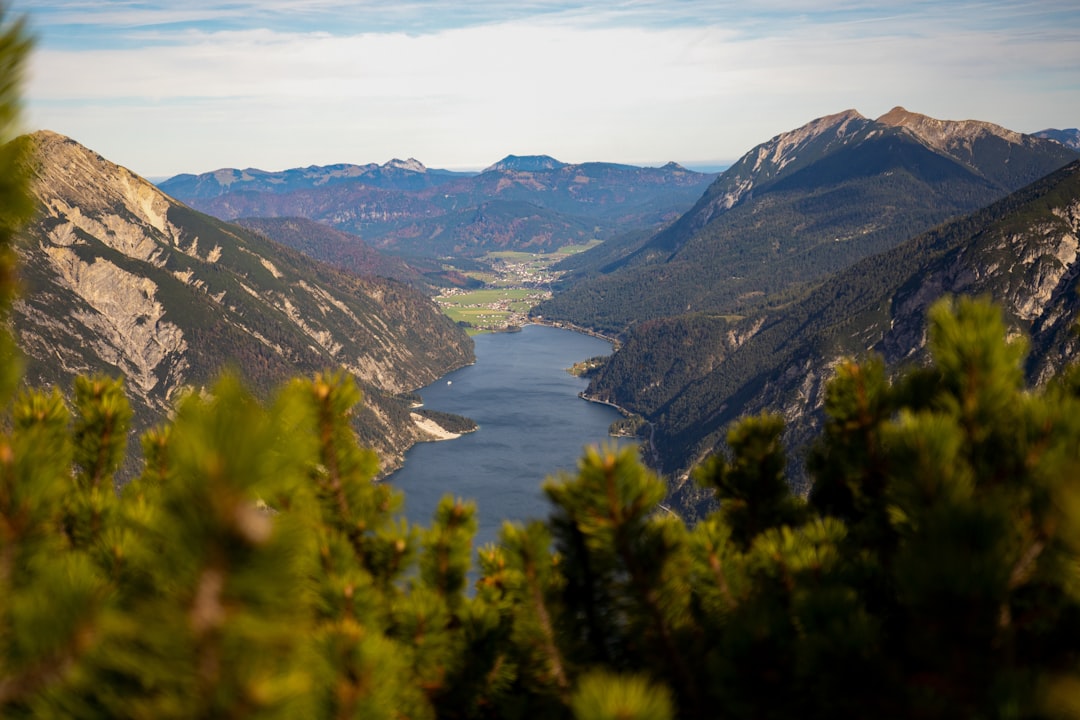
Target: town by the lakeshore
x=511, y=284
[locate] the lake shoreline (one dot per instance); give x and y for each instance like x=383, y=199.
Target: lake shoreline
x=434, y=431
x=532, y=425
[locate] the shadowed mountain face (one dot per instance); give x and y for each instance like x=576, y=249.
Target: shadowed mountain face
x=343, y=250
x=122, y=279
x=692, y=375
x=799, y=207
x=531, y=203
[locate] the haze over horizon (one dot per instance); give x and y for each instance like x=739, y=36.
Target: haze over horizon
x=170, y=87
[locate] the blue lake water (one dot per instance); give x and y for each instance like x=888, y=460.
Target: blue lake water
x=532, y=424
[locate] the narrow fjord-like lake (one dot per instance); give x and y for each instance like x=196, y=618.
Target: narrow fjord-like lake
x=532, y=424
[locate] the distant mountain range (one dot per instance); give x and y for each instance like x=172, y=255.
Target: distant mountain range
x=394, y=175
x=815, y=245
x=531, y=203
x=1069, y=138
x=122, y=279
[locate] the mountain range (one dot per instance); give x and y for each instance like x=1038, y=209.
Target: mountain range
x=120, y=278
x=396, y=174
x=1069, y=138
x=824, y=242
x=799, y=207
x=764, y=326
x=533, y=203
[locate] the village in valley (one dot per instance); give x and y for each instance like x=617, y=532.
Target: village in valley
x=512, y=285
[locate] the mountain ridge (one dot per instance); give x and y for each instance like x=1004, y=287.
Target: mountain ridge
x=401, y=217
x=799, y=206
x=525, y=163
x=1022, y=251
x=1069, y=138
x=122, y=279
x=393, y=174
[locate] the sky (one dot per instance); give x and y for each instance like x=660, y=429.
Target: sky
x=195, y=85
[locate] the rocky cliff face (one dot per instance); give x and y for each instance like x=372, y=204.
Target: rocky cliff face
x=785, y=152
x=1030, y=270
x=1022, y=252
x=120, y=278
x=1002, y=159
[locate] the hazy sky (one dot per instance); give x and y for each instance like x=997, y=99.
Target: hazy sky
x=195, y=85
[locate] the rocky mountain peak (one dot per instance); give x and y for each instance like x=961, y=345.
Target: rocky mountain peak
x=412, y=165
x=946, y=134
x=768, y=160
x=75, y=183
x=785, y=147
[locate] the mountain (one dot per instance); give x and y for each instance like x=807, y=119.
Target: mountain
x=799, y=207
x=324, y=243
x=396, y=174
x=559, y=203
x=1069, y=138
x=352, y=254
x=122, y=279
x=491, y=226
x=525, y=163
x=691, y=376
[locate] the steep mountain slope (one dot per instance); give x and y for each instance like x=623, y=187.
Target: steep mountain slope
x=803, y=205
x=120, y=278
x=1006, y=158
x=756, y=170
x=560, y=203
x=322, y=242
x=1021, y=251
x=491, y=226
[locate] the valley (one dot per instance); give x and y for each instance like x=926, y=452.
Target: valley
x=513, y=283
x=791, y=430
x=724, y=294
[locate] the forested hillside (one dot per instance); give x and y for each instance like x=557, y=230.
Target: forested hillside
x=802, y=206
x=692, y=376
x=121, y=279
x=322, y=242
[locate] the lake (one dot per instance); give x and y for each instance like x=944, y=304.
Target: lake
x=532, y=424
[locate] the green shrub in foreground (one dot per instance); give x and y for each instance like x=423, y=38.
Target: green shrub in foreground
x=254, y=569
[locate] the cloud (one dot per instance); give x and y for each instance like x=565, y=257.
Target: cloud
x=625, y=81
x=424, y=16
